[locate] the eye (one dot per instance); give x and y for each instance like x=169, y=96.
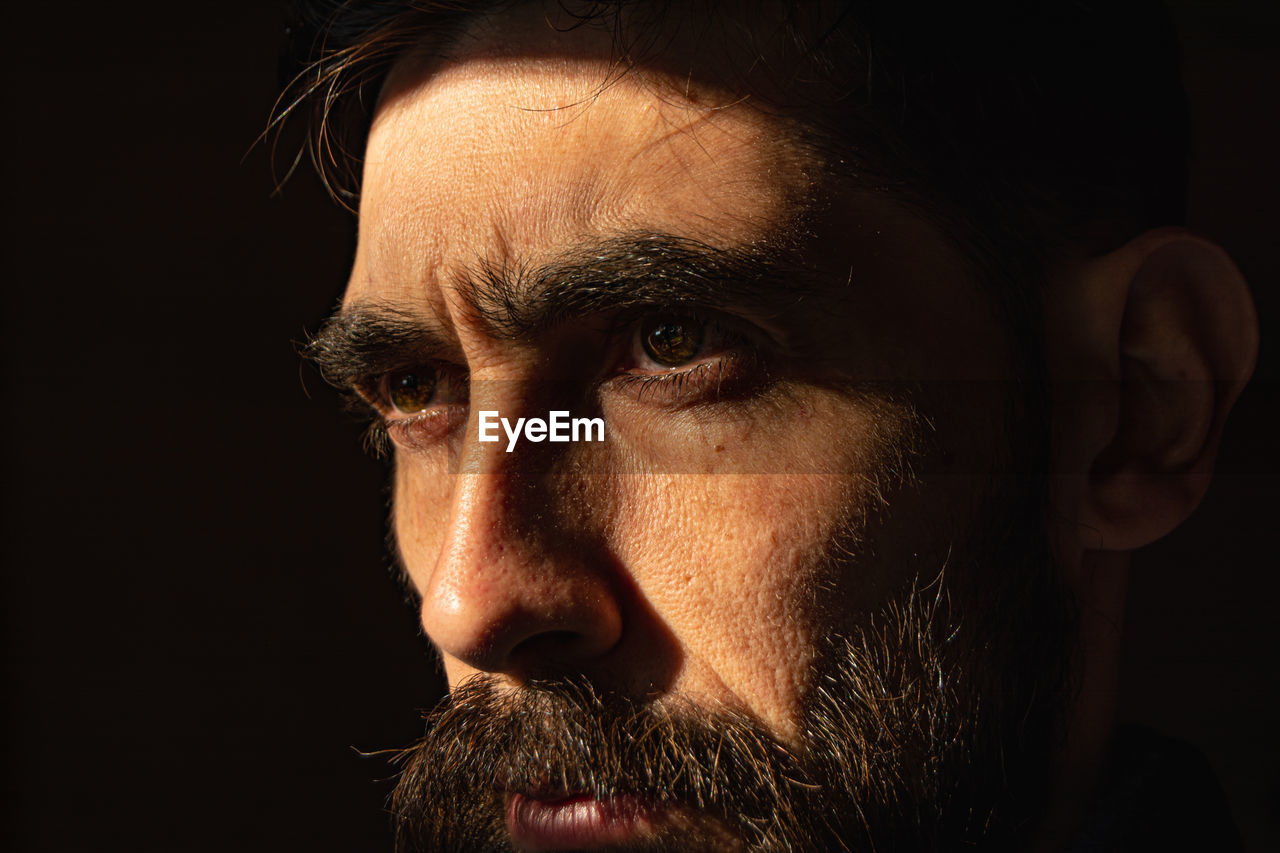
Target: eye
x=411, y=391
x=676, y=357
x=417, y=406
x=670, y=340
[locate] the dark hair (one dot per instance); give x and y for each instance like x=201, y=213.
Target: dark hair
x=1037, y=124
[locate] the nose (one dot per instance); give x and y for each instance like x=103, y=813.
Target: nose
x=509, y=592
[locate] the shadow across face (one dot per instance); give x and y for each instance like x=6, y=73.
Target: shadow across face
x=919, y=736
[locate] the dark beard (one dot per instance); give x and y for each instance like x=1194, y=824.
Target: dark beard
x=925, y=732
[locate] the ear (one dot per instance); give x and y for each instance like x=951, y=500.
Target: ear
x=1149, y=347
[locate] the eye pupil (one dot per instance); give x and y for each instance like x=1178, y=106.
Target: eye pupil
x=411, y=392
x=671, y=341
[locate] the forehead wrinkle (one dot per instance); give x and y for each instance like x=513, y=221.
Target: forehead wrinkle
x=460, y=182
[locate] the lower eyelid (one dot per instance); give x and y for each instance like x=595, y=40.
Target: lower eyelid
x=691, y=385
x=424, y=429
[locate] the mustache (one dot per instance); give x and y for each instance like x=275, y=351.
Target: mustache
x=552, y=739
x=914, y=730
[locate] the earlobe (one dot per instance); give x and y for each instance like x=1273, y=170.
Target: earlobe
x=1177, y=325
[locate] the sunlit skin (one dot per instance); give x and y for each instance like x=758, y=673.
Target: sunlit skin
x=709, y=544
x=477, y=161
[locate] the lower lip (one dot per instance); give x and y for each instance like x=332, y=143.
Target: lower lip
x=576, y=823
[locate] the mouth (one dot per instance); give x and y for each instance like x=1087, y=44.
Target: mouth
x=580, y=822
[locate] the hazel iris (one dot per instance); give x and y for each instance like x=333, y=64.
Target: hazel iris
x=672, y=341
x=411, y=392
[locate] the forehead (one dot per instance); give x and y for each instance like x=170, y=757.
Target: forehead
x=509, y=155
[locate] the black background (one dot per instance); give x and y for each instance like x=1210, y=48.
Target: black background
x=199, y=630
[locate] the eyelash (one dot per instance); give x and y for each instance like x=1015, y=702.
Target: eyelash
x=416, y=430
x=733, y=358
x=735, y=361
x=677, y=386
x=419, y=430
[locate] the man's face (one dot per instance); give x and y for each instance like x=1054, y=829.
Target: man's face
x=804, y=393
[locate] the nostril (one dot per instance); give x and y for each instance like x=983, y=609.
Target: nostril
x=552, y=648
x=548, y=640
x=505, y=634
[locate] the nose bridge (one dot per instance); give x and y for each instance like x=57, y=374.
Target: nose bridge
x=503, y=410
x=509, y=398
x=508, y=592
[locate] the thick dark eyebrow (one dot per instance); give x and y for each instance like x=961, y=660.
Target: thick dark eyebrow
x=514, y=302
x=368, y=340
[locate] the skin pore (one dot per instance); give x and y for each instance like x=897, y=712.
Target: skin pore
x=838, y=439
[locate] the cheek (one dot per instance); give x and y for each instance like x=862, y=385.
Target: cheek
x=420, y=500
x=732, y=564
x=740, y=567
